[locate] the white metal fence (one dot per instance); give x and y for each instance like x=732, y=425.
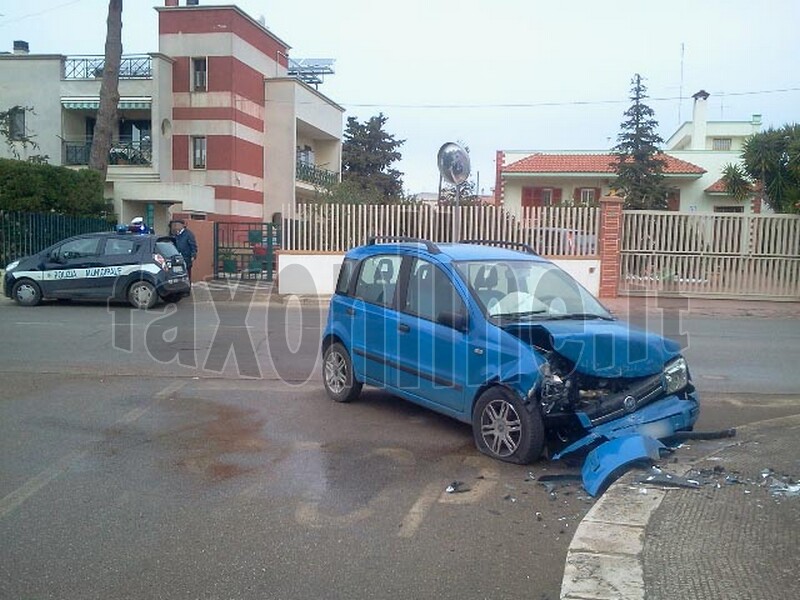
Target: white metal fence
x=551, y=231
x=725, y=255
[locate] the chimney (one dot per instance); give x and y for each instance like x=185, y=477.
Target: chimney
x=20, y=47
x=756, y=121
x=699, y=120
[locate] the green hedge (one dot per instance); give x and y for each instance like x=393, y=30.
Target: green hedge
x=30, y=187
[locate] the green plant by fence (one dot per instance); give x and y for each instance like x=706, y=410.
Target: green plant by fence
x=22, y=234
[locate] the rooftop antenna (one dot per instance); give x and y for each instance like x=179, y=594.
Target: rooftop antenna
x=680, y=90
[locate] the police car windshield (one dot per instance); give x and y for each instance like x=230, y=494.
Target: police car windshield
x=166, y=248
x=523, y=289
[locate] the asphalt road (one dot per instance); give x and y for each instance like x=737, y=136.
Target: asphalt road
x=193, y=454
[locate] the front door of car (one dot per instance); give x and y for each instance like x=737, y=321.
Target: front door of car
x=65, y=267
x=434, y=340
x=374, y=332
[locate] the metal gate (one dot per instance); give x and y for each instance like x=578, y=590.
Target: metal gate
x=245, y=250
x=710, y=255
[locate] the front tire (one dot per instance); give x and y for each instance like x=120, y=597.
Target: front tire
x=26, y=292
x=505, y=429
x=142, y=295
x=337, y=374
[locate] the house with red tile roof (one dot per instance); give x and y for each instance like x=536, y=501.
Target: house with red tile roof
x=694, y=158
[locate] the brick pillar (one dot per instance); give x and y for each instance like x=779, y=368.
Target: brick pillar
x=609, y=245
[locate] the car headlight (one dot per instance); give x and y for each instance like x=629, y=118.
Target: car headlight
x=12, y=266
x=676, y=375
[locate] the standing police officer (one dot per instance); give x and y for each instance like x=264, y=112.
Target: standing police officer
x=185, y=242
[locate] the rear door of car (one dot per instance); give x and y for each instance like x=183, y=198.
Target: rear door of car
x=375, y=318
x=118, y=254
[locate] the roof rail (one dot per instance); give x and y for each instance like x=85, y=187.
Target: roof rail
x=429, y=245
x=502, y=243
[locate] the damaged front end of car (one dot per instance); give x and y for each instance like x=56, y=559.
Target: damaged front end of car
x=612, y=392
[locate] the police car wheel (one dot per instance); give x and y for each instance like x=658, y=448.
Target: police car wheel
x=26, y=293
x=142, y=294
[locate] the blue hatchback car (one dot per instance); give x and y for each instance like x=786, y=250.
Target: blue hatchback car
x=504, y=340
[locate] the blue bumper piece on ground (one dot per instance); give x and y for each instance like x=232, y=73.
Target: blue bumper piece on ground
x=631, y=438
x=611, y=459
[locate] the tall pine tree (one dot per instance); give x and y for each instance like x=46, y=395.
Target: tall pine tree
x=368, y=153
x=639, y=165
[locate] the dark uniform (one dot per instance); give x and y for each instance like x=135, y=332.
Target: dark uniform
x=186, y=244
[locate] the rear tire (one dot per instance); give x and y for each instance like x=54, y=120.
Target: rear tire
x=505, y=429
x=337, y=374
x=142, y=295
x=26, y=292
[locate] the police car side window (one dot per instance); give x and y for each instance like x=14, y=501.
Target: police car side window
x=79, y=249
x=117, y=246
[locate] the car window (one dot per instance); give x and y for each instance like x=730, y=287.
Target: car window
x=80, y=248
x=377, y=279
x=431, y=293
x=345, y=273
x=117, y=246
x=166, y=248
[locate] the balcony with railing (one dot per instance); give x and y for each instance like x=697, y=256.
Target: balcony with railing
x=132, y=66
x=309, y=173
x=75, y=152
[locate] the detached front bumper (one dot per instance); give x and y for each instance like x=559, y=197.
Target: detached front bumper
x=632, y=437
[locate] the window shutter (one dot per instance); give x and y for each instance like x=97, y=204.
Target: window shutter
x=537, y=196
x=597, y=194
x=527, y=197
x=556, y=196
x=576, y=194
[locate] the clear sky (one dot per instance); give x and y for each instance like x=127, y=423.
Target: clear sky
x=496, y=74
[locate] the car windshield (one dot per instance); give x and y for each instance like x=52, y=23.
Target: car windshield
x=526, y=289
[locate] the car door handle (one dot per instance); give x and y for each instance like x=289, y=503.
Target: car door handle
x=404, y=328
x=350, y=311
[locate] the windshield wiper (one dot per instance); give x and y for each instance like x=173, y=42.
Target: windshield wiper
x=581, y=316
x=525, y=314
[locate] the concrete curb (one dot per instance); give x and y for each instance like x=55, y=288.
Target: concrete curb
x=604, y=559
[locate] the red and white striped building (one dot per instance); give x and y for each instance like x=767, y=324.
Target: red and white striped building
x=212, y=126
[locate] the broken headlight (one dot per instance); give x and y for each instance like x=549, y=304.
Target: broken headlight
x=676, y=375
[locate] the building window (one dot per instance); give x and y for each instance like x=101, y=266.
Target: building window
x=729, y=209
x=721, y=144
x=547, y=197
x=16, y=124
x=199, y=75
x=587, y=196
x=199, y=152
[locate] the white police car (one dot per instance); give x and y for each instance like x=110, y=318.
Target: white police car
x=137, y=268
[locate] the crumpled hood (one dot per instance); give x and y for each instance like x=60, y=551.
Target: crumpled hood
x=601, y=348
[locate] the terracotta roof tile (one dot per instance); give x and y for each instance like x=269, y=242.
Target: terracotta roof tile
x=590, y=163
x=718, y=187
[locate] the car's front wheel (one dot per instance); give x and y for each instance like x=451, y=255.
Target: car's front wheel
x=505, y=429
x=26, y=292
x=142, y=294
x=337, y=374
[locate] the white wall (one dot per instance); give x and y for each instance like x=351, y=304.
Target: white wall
x=316, y=274
x=308, y=274
x=34, y=80
x=585, y=271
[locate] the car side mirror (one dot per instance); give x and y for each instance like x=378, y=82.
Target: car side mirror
x=457, y=321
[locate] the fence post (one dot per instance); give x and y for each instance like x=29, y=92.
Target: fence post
x=609, y=245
